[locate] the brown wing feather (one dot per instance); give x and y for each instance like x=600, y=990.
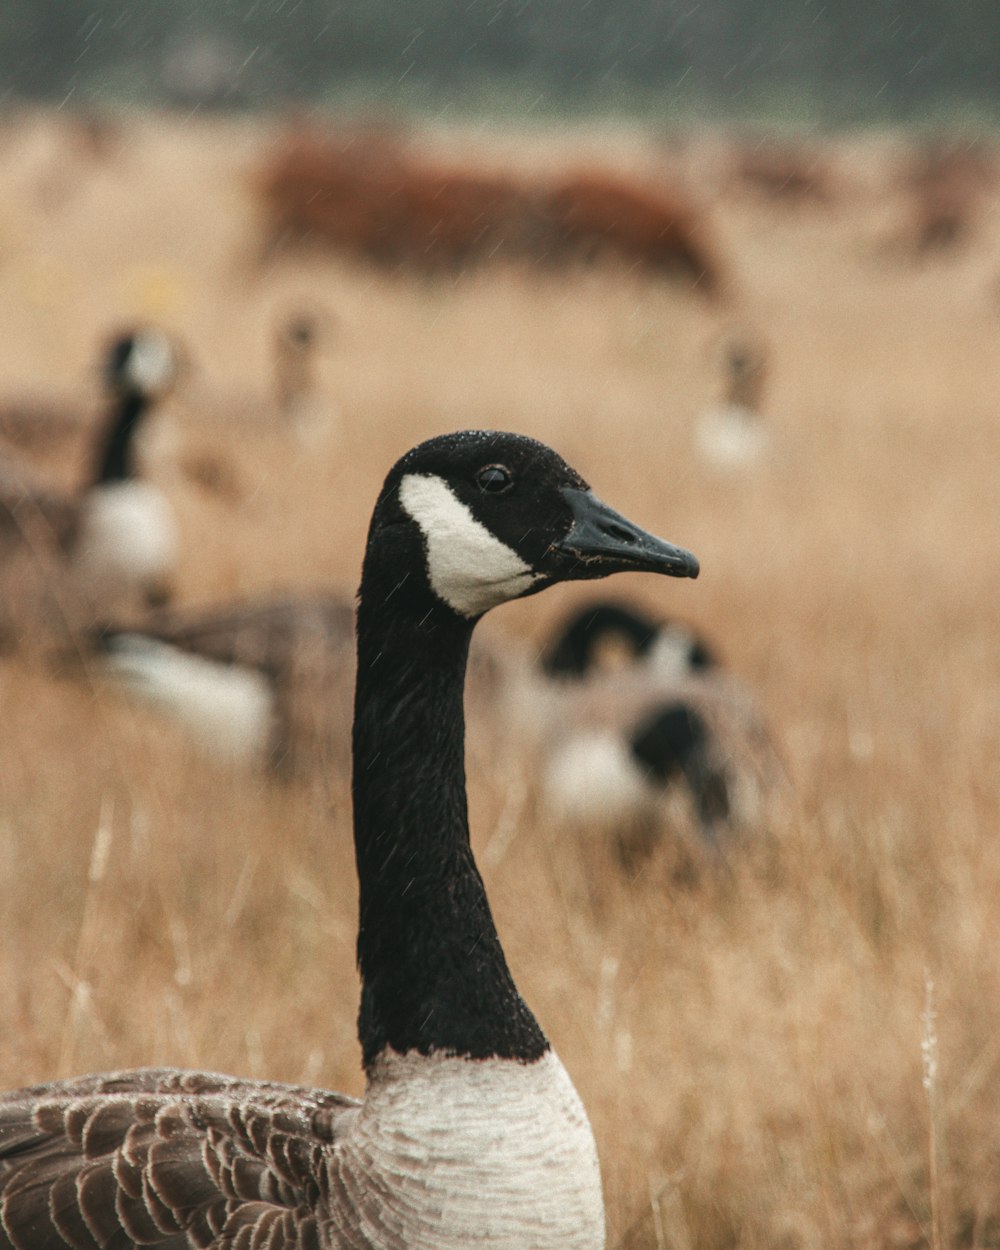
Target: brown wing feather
x=264, y=634
x=167, y=1159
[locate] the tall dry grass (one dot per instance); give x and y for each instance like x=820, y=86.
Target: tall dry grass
x=750, y=1045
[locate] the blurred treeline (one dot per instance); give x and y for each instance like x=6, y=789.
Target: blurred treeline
x=845, y=59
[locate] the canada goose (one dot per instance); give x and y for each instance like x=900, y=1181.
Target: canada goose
x=295, y=414
x=619, y=737
x=55, y=432
x=665, y=648
x=266, y=682
x=259, y=682
x=731, y=434
x=470, y=1132
x=295, y=400
x=118, y=537
x=298, y=339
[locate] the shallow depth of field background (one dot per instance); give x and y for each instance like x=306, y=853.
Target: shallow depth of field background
x=753, y=1046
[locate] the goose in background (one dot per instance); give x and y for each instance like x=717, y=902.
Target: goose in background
x=54, y=433
x=268, y=683
x=299, y=339
x=295, y=401
x=295, y=413
x=645, y=730
x=470, y=1132
x=113, y=545
x=732, y=434
x=262, y=683
x=607, y=634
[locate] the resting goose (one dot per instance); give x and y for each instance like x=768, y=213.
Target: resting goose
x=470, y=1132
x=262, y=682
x=624, y=738
x=666, y=648
x=118, y=538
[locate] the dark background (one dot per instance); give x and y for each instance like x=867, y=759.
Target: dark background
x=835, y=60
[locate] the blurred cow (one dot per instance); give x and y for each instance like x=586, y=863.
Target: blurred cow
x=369, y=197
x=592, y=214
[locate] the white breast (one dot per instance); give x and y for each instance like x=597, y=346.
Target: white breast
x=450, y=1154
x=731, y=437
x=225, y=709
x=127, y=535
x=314, y=420
x=591, y=780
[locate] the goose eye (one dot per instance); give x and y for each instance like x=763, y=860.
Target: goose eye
x=494, y=479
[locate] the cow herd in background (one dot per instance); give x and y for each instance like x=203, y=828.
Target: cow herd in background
x=369, y=194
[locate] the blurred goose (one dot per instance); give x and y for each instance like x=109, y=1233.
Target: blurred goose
x=269, y=682
x=608, y=633
x=117, y=537
x=732, y=433
x=626, y=739
x=470, y=1132
x=263, y=682
x=295, y=414
x=55, y=432
x=294, y=401
x=298, y=340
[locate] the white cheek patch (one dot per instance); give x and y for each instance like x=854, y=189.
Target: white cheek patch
x=150, y=366
x=670, y=654
x=467, y=566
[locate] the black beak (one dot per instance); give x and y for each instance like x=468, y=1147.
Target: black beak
x=604, y=541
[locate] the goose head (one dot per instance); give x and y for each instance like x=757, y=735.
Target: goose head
x=300, y=333
x=500, y=516
x=142, y=364
x=579, y=648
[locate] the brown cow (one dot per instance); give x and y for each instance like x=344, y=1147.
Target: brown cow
x=592, y=214
x=948, y=183
x=369, y=197
x=320, y=191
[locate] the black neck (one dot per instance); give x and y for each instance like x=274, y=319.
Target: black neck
x=434, y=977
x=115, y=460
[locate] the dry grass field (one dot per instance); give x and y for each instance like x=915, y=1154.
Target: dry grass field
x=752, y=1045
